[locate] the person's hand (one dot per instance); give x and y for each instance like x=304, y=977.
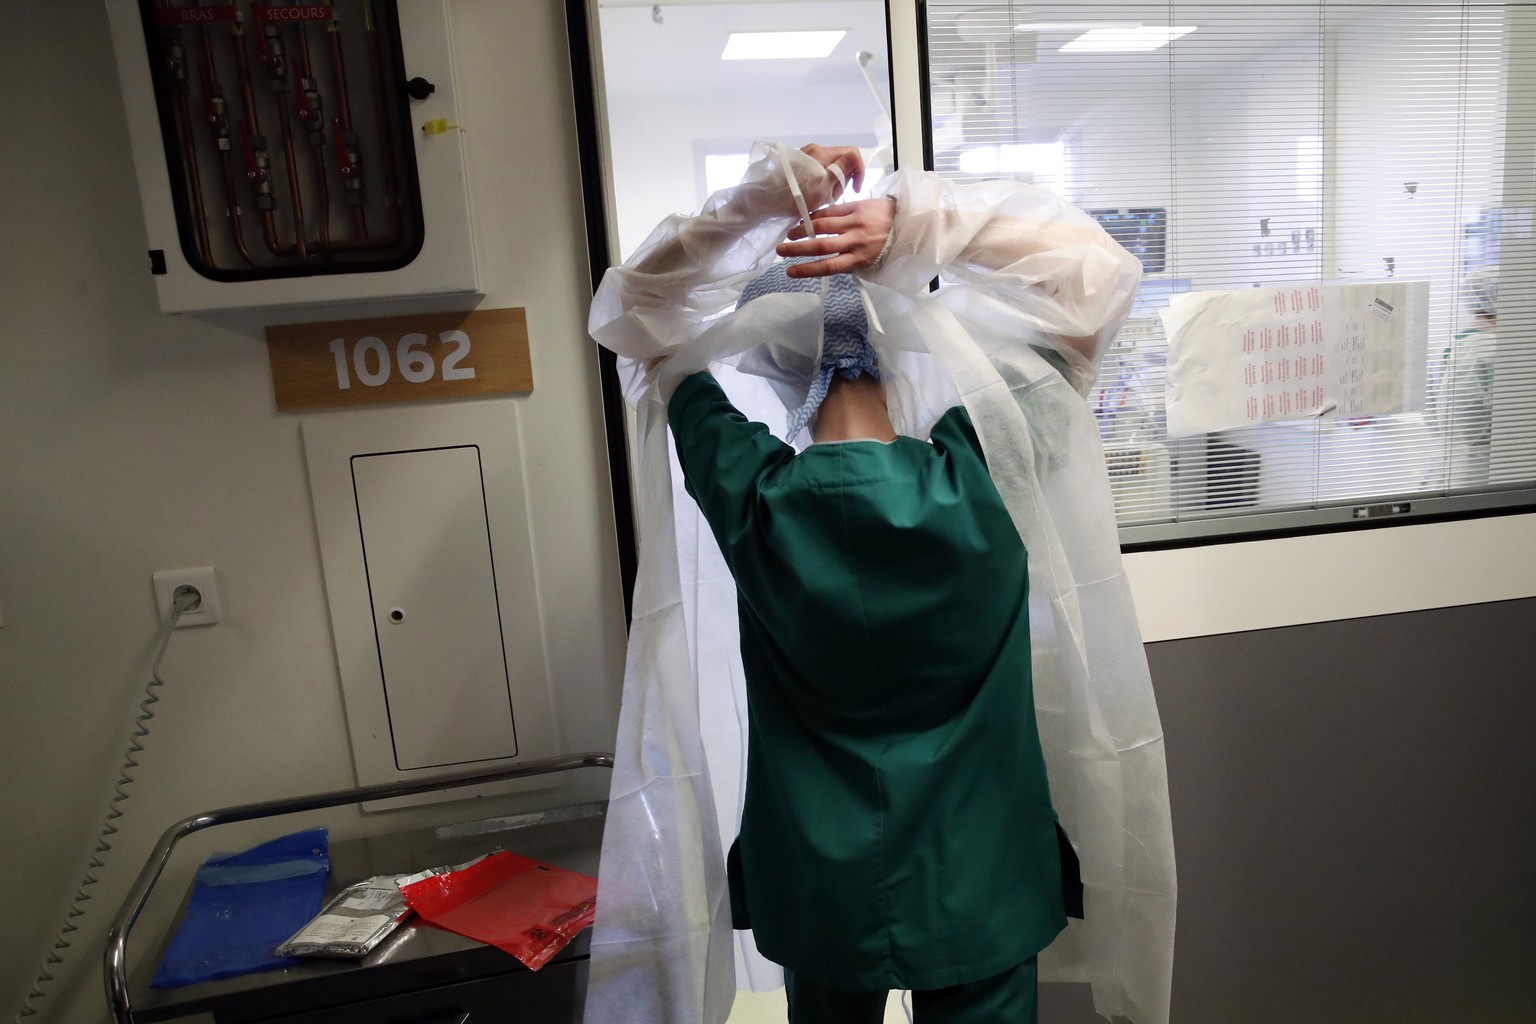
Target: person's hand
x=850, y=236
x=848, y=159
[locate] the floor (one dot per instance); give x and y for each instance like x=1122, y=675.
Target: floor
x=768, y=1008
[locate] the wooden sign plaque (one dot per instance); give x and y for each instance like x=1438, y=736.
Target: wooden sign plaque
x=422, y=357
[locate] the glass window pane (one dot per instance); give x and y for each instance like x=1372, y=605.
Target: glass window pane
x=1261, y=146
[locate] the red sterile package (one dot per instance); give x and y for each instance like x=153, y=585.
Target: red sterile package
x=529, y=909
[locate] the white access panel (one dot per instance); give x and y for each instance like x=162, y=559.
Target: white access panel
x=446, y=263
x=423, y=528
x=432, y=585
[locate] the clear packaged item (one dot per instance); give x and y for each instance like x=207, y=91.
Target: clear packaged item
x=353, y=923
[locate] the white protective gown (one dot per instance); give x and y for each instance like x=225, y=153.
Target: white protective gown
x=1034, y=294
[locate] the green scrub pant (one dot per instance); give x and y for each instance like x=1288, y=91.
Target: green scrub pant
x=1006, y=998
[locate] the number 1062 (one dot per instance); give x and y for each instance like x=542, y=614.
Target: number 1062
x=372, y=363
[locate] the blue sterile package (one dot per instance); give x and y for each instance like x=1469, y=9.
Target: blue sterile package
x=244, y=905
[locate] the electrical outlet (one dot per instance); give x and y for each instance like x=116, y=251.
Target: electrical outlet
x=208, y=609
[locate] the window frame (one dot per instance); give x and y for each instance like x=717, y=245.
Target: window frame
x=1383, y=510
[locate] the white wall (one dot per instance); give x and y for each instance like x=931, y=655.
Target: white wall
x=655, y=142
x=1184, y=140
x=134, y=441
x=1399, y=92
x=669, y=96
x=1237, y=587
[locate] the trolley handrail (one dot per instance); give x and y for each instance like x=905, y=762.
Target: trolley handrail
x=117, y=936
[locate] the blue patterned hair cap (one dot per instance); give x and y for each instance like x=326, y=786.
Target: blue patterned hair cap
x=845, y=347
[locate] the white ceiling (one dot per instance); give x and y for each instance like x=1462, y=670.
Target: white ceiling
x=681, y=55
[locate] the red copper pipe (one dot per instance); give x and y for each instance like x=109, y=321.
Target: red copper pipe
x=295, y=194
x=219, y=124
x=243, y=68
x=234, y=209
x=305, y=72
x=194, y=176
x=339, y=70
x=344, y=119
x=343, y=122
x=176, y=64
x=252, y=130
x=270, y=55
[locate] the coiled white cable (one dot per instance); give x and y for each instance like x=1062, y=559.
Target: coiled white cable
x=182, y=601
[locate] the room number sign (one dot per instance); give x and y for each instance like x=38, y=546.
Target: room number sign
x=428, y=356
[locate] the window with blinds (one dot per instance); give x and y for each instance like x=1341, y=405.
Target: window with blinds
x=1332, y=204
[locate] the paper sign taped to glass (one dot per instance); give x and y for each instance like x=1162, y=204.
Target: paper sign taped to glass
x=1263, y=355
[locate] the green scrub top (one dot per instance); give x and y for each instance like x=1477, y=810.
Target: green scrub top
x=897, y=830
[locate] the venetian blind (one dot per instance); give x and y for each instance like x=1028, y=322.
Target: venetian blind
x=1293, y=149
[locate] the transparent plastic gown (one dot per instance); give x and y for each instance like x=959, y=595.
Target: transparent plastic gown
x=1034, y=292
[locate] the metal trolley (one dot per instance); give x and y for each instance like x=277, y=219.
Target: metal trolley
x=116, y=967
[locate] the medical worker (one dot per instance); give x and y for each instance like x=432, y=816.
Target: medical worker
x=1459, y=405
x=898, y=830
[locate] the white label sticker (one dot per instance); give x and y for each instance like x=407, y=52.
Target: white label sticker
x=329, y=928
x=371, y=899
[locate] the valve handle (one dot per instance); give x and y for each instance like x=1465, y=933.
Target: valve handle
x=343, y=163
x=210, y=109
x=253, y=172
x=262, y=55
x=301, y=95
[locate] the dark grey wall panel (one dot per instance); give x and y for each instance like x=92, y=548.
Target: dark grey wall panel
x=1354, y=807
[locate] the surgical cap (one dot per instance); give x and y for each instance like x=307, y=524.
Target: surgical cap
x=1480, y=291
x=845, y=348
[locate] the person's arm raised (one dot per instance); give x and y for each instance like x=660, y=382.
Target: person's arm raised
x=690, y=268
x=847, y=237
x=1035, y=258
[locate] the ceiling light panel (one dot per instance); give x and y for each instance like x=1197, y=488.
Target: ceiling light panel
x=781, y=45
x=1074, y=26
x=1127, y=40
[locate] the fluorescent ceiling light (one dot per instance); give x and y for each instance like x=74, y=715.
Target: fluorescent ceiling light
x=780, y=45
x=1074, y=26
x=1127, y=40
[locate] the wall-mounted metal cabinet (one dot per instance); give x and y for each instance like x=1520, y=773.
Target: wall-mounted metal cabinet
x=291, y=153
